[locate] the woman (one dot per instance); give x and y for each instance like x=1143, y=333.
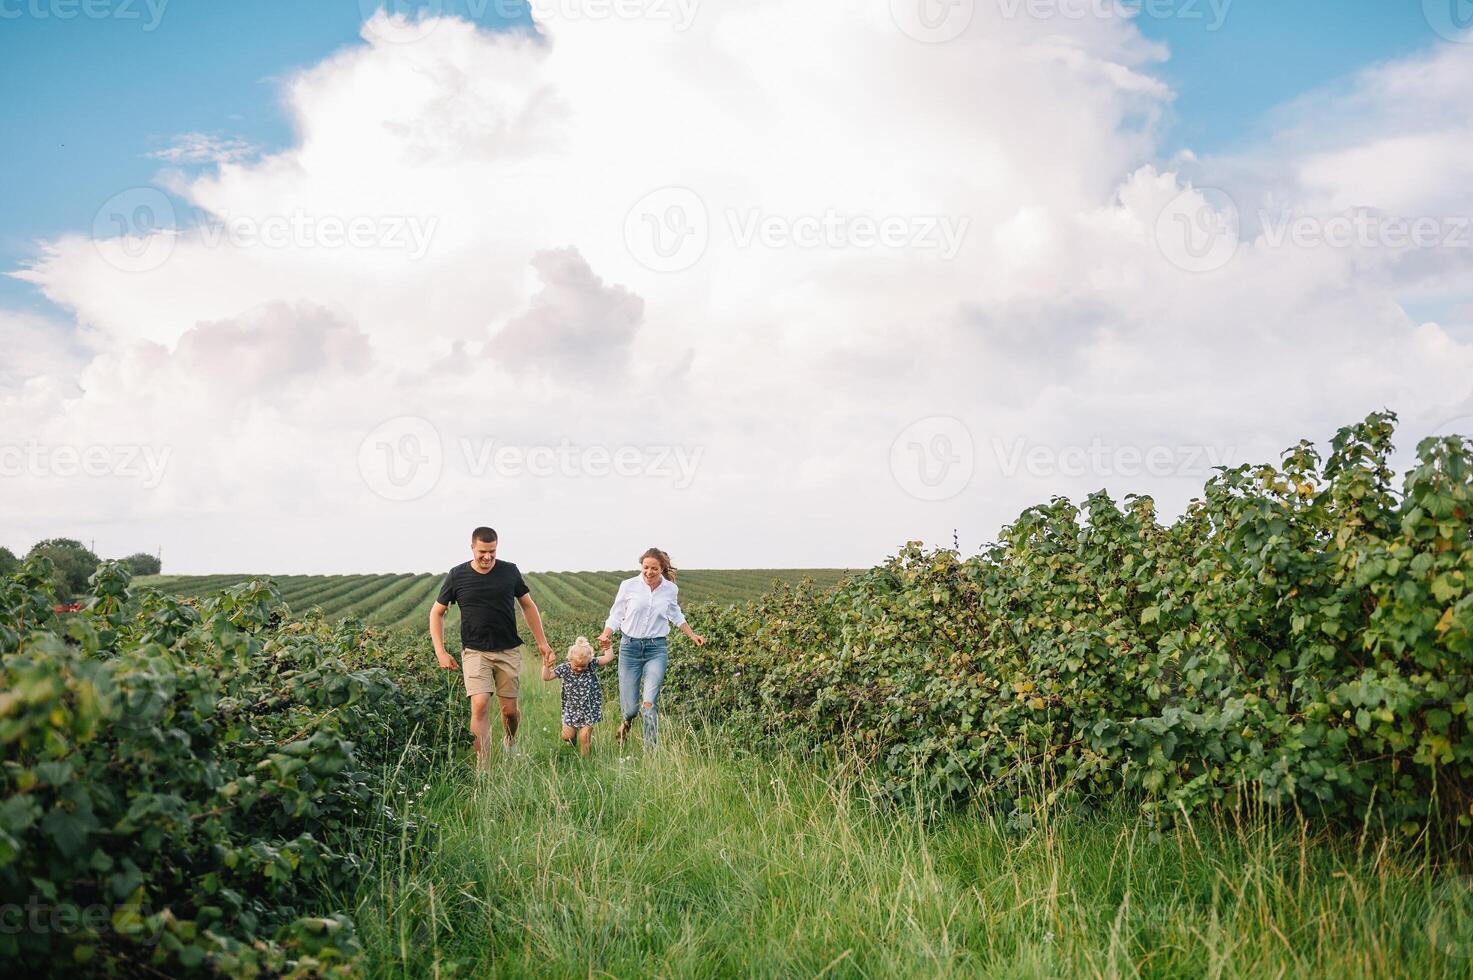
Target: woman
x=644, y=609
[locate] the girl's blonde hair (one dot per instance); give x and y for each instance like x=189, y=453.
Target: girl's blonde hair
x=663, y=557
x=581, y=649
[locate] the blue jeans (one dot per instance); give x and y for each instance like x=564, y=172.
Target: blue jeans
x=644, y=659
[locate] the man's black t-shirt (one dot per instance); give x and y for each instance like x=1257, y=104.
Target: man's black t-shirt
x=488, y=613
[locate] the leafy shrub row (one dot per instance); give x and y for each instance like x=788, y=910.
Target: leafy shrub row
x=1301, y=636
x=186, y=783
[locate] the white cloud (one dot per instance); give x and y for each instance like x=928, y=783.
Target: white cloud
x=206, y=148
x=790, y=367
x=575, y=323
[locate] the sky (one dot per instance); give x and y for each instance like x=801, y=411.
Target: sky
x=318, y=287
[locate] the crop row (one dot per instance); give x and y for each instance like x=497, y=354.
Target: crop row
x=403, y=600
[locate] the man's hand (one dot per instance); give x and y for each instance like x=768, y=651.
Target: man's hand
x=446, y=661
x=548, y=657
x=545, y=649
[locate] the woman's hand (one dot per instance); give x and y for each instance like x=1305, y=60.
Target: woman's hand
x=605, y=642
x=698, y=639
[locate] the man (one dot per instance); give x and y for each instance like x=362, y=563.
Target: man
x=488, y=592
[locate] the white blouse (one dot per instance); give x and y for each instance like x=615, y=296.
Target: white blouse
x=644, y=613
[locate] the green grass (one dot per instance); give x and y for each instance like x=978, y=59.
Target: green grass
x=703, y=860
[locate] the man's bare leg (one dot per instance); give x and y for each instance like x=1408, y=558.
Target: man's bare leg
x=481, y=727
x=511, y=718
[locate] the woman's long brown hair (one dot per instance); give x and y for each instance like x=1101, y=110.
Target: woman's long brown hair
x=666, y=569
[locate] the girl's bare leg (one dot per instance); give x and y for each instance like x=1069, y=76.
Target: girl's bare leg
x=585, y=740
x=568, y=734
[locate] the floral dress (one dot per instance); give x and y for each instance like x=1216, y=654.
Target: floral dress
x=583, y=698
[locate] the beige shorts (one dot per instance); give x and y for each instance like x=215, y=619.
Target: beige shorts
x=492, y=670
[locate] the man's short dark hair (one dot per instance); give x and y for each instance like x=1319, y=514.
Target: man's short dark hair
x=483, y=534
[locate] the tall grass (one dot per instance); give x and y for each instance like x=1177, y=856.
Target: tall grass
x=703, y=860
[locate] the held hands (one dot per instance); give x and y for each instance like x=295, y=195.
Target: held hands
x=548, y=657
x=605, y=644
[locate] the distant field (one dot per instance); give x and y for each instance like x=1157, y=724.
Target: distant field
x=563, y=597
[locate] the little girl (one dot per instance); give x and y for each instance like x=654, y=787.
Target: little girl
x=583, y=698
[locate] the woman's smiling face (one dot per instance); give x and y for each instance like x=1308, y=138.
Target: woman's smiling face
x=650, y=570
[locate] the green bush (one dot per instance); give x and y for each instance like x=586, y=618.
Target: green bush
x=72, y=563
x=143, y=563
x=1302, y=637
x=187, y=782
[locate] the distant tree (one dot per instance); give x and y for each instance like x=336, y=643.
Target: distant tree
x=74, y=564
x=143, y=564
x=8, y=562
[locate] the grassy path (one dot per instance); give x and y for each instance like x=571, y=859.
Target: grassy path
x=701, y=860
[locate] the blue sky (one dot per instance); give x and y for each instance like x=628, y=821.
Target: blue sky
x=1268, y=51
x=101, y=94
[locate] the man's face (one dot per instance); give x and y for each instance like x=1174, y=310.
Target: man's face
x=483, y=553
x=650, y=568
